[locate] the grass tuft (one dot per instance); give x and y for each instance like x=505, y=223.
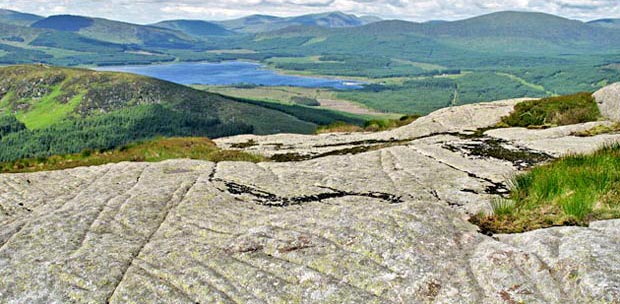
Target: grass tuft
x=502, y=206
x=598, y=130
x=147, y=151
x=573, y=190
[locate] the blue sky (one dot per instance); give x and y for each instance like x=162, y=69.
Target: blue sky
x=147, y=11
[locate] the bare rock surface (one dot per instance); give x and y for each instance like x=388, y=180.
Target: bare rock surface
x=448, y=120
x=557, y=141
x=381, y=225
x=608, y=100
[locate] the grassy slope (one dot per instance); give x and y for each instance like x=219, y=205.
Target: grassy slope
x=148, y=151
x=68, y=92
x=573, y=190
x=114, y=31
x=287, y=95
x=65, y=110
x=17, y=18
x=195, y=28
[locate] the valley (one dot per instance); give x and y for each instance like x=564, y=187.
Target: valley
x=329, y=157
x=567, y=57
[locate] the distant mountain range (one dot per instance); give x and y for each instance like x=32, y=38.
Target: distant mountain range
x=18, y=18
x=195, y=28
x=79, y=40
x=115, y=32
x=263, y=23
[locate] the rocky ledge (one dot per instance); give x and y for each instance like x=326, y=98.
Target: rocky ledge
x=344, y=218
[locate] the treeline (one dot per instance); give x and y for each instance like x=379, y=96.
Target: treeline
x=308, y=113
x=108, y=131
x=352, y=65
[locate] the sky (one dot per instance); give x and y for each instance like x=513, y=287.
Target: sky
x=149, y=11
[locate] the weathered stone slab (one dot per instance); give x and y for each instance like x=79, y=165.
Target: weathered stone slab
x=381, y=226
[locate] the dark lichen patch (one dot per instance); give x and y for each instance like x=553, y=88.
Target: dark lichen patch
x=244, y=145
x=265, y=198
x=360, y=142
x=474, y=134
x=277, y=146
x=294, y=157
x=487, y=147
x=357, y=148
x=289, y=157
x=431, y=290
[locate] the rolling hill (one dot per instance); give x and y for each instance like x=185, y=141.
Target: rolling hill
x=504, y=33
x=116, y=32
x=262, y=23
x=514, y=24
x=608, y=23
x=195, y=28
x=521, y=37
x=48, y=110
x=17, y=18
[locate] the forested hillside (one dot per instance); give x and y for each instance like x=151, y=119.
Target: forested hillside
x=409, y=68
x=47, y=110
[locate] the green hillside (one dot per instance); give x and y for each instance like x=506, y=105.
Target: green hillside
x=17, y=18
x=263, y=23
x=48, y=110
x=609, y=23
x=115, y=31
x=410, y=67
x=195, y=28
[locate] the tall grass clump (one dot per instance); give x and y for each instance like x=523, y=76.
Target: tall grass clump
x=573, y=190
x=554, y=111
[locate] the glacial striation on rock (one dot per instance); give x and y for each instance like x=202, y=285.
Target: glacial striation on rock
x=383, y=223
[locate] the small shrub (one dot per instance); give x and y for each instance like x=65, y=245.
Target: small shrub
x=306, y=101
x=87, y=153
x=339, y=127
x=554, y=111
x=374, y=125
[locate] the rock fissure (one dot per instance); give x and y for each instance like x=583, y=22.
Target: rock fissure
x=105, y=205
x=494, y=188
x=485, y=147
x=272, y=200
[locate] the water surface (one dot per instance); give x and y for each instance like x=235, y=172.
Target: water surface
x=230, y=73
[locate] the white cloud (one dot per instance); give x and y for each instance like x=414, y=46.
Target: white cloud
x=146, y=11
